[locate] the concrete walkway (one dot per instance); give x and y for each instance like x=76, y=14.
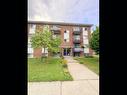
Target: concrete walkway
x=85, y=82
x=79, y=71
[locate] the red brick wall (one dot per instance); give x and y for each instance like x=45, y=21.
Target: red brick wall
x=70, y=43
x=37, y=52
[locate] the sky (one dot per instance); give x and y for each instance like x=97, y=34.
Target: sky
x=70, y=11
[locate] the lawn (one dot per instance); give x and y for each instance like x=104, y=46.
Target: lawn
x=51, y=71
x=91, y=63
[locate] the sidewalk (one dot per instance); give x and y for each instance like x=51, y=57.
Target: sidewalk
x=85, y=82
x=79, y=71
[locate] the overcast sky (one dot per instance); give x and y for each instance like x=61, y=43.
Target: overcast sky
x=73, y=11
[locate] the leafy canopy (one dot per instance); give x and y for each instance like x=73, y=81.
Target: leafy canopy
x=94, y=40
x=43, y=39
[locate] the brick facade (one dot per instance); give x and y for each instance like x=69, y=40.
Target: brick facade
x=64, y=45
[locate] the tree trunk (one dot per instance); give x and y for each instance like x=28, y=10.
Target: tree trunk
x=44, y=59
x=49, y=53
x=44, y=51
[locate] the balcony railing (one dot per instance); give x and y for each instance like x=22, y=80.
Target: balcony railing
x=76, y=29
x=77, y=32
x=78, y=49
x=55, y=28
x=77, y=41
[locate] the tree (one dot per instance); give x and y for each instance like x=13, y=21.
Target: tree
x=43, y=39
x=54, y=45
x=94, y=40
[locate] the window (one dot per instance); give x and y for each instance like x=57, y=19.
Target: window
x=66, y=35
x=85, y=28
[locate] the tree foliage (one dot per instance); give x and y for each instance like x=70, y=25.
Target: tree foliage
x=43, y=39
x=54, y=45
x=94, y=40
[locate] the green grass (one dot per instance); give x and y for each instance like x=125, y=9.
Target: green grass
x=51, y=71
x=91, y=63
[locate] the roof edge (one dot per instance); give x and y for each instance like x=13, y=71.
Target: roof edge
x=58, y=23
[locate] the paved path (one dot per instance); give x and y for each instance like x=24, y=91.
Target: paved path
x=79, y=71
x=85, y=82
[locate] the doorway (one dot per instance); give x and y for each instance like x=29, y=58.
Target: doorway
x=66, y=51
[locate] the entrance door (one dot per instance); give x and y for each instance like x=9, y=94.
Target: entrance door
x=64, y=52
x=67, y=51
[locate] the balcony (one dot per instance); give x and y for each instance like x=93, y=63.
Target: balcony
x=77, y=41
x=56, y=32
x=55, y=28
x=76, y=30
x=78, y=49
x=56, y=36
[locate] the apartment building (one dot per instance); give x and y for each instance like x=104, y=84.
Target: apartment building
x=74, y=38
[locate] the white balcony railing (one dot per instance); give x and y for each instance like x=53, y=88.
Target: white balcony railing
x=55, y=28
x=76, y=29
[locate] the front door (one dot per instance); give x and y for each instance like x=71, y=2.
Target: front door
x=66, y=51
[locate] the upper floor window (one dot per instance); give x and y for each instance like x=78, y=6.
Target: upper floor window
x=66, y=35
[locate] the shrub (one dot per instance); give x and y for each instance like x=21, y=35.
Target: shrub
x=62, y=57
x=81, y=62
x=64, y=63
